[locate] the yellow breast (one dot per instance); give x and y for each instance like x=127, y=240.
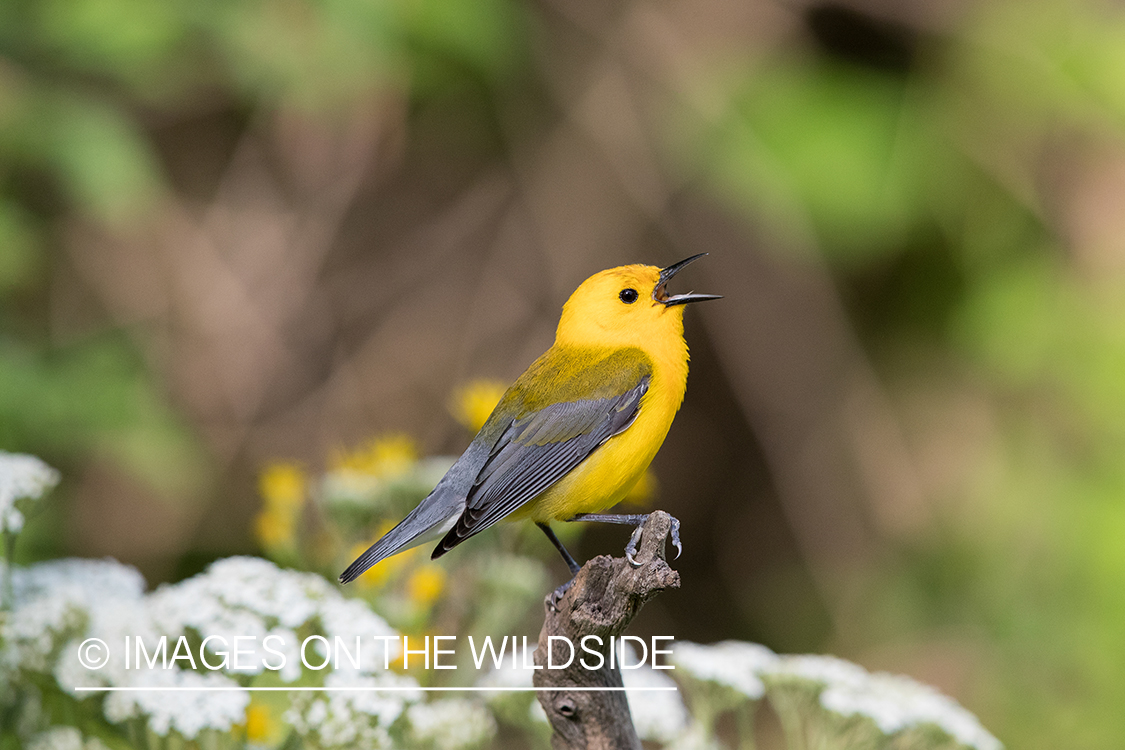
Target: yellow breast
x=604, y=478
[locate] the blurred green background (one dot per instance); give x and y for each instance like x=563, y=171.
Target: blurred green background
x=240, y=231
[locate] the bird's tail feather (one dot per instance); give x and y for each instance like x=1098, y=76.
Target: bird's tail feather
x=433, y=517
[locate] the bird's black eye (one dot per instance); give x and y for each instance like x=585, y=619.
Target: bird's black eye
x=628, y=296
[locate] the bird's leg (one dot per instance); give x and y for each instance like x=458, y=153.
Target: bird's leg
x=570, y=563
x=636, y=520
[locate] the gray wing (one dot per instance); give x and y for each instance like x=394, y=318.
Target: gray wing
x=536, y=451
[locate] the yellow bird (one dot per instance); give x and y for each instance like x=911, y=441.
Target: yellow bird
x=577, y=430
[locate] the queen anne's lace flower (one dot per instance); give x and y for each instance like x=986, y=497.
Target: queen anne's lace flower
x=240, y=592
x=452, y=724
x=360, y=718
x=64, y=738
x=188, y=712
x=735, y=664
x=248, y=596
x=56, y=601
x=896, y=703
x=60, y=604
x=823, y=670
x=21, y=477
x=57, y=738
x=79, y=580
x=658, y=715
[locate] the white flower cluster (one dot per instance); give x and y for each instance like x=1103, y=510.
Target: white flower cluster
x=60, y=604
x=64, y=738
x=734, y=664
x=59, y=600
x=658, y=715
x=897, y=703
x=822, y=670
x=894, y=703
x=22, y=477
x=188, y=712
x=249, y=596
x=457, y=724
x=355, y=718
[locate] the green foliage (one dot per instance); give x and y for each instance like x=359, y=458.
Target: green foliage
x=828, y=140
x=80, y=83
x=20, y=258
x=94, y=397
x=857, y=162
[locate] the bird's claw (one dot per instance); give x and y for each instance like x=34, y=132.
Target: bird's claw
x=631, y=547
x=634, y=540
x=557, y=595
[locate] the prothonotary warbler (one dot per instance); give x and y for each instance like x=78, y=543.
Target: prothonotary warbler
x=577, y=430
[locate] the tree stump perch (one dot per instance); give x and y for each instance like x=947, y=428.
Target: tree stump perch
x=606, y=595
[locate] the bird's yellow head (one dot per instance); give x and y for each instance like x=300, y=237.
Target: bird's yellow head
x=627, y=306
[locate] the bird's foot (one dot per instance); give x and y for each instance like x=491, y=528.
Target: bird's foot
x=675, y=534
x=560, y=592
x=635, y=539
x=631, y=547
x=632, y=520
x=557, y=595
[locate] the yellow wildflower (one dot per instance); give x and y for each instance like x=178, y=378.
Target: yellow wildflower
x=473, y=402
x=426, y=584
x=387, y=455
x=274, y=528
x=393, y=454
x=642, y=493
x=282, y=486
x=262, y=724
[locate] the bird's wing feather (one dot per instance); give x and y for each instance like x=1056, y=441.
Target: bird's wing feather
x=433, y=517
x=537, y=450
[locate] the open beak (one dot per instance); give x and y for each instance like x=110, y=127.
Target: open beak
x=660, y=291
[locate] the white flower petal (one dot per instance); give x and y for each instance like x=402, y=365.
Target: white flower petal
x=736, y=664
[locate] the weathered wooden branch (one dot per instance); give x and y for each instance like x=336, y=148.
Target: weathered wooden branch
x=605, y=596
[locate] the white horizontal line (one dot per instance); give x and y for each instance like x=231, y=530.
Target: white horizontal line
x=400, y=689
